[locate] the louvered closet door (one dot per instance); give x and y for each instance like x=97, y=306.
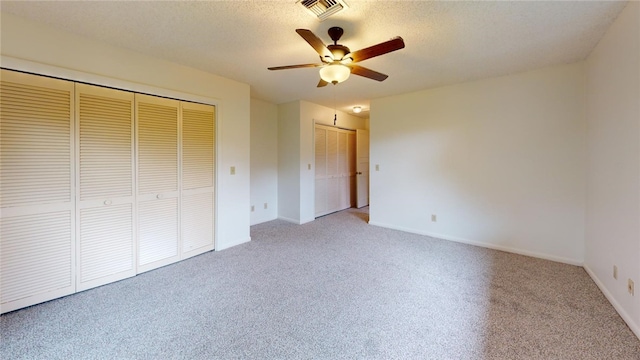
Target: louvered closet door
x=335, y=169
x=158, y=183
x=37, y=257
x=197, y=221
x=343, y=170
x=321, y=170
x=333, y=174
x=105, y=216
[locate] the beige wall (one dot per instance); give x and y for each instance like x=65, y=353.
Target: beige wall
x=40, y=49
x=500, y=162
x=613, y=177
x=289, y=161
x=264, y=161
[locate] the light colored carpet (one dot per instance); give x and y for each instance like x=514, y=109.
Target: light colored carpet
x=335, y=288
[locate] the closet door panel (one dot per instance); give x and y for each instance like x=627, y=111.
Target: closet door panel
x=332, y=153
x=157, y=145
x=321, y=152
x=37, y=257
x=343, y=165
x=158, y=226
x=106, y=247
x=36, y=143
x=333, y=194
x=158, y=181
x=106, y=182
x=333, y=173
x=321, y=171
x=321, y=197
x=198, y=124
x=198, y=138
x=345, y=192
x=197, y=222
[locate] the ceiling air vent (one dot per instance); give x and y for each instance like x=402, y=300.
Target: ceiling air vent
x=323, y=8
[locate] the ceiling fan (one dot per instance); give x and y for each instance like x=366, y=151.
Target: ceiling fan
x=338, y=62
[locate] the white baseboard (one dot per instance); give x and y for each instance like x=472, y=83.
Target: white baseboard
x=484, y=244
x=633, y=325
x=260, y=221
x=295, y=221
x=227, y=245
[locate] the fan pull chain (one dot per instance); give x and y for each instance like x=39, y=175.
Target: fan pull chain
x=335, y=115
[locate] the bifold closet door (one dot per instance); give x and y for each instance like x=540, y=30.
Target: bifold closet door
x=197, y=198
x=158, y=183
x=335, y=171
x=343, y=171
x=105, y=216
x=321, y=171
x=37, y=208
x=333, y=174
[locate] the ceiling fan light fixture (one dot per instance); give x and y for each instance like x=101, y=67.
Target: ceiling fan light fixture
x=357, y=109
x=335, y=73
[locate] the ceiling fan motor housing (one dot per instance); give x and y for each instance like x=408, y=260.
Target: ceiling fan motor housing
x=335, y=33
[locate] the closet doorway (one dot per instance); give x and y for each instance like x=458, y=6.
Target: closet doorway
x=335, y=169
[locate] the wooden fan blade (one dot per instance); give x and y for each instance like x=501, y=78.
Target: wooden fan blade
x=368, y=73
x=322, y=83
x=376, y=50
x=315, y=43
x=295, y=66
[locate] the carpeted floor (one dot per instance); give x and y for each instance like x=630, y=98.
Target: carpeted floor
x=335, y=288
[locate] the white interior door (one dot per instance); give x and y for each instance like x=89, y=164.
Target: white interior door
x=158, y=181
x=362, y=168
x=105, y=222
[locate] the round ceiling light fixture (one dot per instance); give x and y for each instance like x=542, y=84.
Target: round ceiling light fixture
x=335, y=73
x=357, y=109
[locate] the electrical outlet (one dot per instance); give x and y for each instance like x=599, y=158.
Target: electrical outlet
x=265, y=205
x=433, y=217
x=630, y=287
x=377, y=167
x=309, y=166
x=233, y=170
x=615, y=272
x=253, y=208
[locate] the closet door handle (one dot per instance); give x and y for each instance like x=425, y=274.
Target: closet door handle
x=108, y=202
x=159, y=196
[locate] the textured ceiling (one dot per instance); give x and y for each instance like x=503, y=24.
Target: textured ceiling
x=446, y=42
